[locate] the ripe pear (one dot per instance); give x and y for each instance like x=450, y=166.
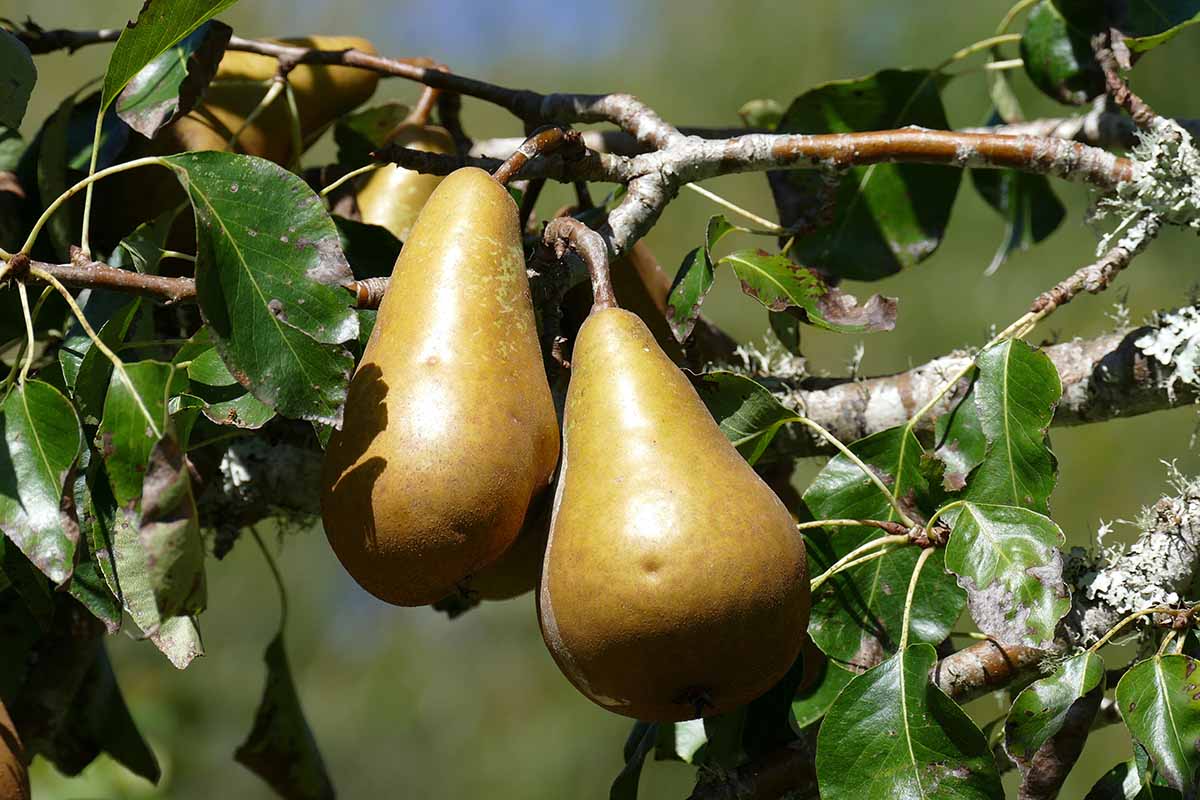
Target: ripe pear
x=14, y=777
x=675, y=583
x=517, y=570
x=640, y=286
x=450, y=431
x=392, y=196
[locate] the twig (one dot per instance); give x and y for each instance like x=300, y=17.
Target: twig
x=1094, y=277
x=563, y=233
x=542, y=142
x=1112, y=55
x=912, y=592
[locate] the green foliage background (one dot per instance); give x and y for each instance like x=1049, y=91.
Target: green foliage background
x=406, y=703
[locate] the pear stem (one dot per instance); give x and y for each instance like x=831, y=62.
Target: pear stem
x=567, y=233
x=541, y=142
x=420, y=112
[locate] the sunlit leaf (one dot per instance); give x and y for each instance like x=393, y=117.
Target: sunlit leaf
x=1058, y=56
x=747, y=413
x=694, y=279
x=1158, y=700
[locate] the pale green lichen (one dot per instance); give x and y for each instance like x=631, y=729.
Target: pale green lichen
x=1174, y=343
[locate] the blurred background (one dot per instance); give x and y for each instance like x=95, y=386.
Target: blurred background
x=404, y=702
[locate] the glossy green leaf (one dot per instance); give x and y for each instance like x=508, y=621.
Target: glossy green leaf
x=1016, y=391
x=779, y=284
x=1008, y=560
x=892, y=733
x=40, y=439
x=886, y=216
x=17, y=76
x=681, y=741
x=126, y=436
x=747, y=413
x=637, y=746
x=1028, y=205
x=172, y=84
x=1159, y=699
x=1058, y=56
x=371, y=249
x=961, y=445
x=1126, y=782
x=1144, y=24
x=280, y=748
x=813, y=703
x=159, y=26
x=268, y=275
x=694, y=279
x=1050, y=719
x=361, y=132
x=857, y=614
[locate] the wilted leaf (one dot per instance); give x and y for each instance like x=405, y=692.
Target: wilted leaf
x=1158, y=700
x=694, y=279
x=1007, y=558
x=892, y=733
x=280, y=748
x=159, y=26
x=40, y=439
x=779, y=284
x=1049, y=723
x=747, y=413
x=1015, y=394
x=886, y=216
x=268, y=271
x=171, y=85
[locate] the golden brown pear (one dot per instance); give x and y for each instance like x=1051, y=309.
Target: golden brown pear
x=14, y=777
x=517, y=570
x=449, y=430
x=675, y=583
x=392, y=196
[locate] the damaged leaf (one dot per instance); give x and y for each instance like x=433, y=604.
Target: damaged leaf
x=40, y=439
x=268, y=273
x=781, y=285
x=1007, y=559
x=1159, y=699
x=280, y=748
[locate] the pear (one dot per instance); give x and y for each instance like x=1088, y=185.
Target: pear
x=675, y=583
x=450, y=431
x=392, y=196
x=517, y=570
x=14, y=777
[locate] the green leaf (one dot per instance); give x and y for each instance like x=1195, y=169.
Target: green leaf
x=1168, y=18
x=1007, y=559
x=159, y=26
x=146, y=243
x=17, y=76
x=28, y=583
x=779, y=284
x=171, y=85
x=1050, y=719
x=268, y=275
x=1058, y=56
x=226, y=402
x=641, y=740
x=359, y=133
x=1126, y=782
x=961, y=445
x=857, y=614
x=86, y=370
x=694, y=279
x=1028, y=205
x=126, y=436
x=764, y=114
x=371, y=249
x=1015, y=395
x=886, y=216
x=681, y=741
x=786, y=328
x=40, y=439
x=280, y=748
x=892, y=733
x=813, y=703
x=1158, y=700
x=747, y=413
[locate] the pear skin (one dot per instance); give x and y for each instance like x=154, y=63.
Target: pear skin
x=393, y=196
x=14, y=776
x=450, y=431
x=675, y=583
x=518, y=569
